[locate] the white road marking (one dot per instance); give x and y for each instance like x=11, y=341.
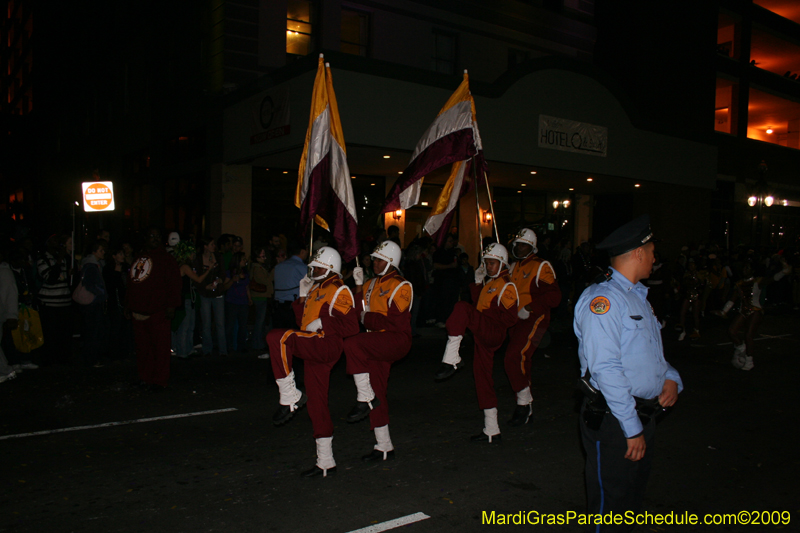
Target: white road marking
x=110, y=424
x=391, y=524
x=761, y=338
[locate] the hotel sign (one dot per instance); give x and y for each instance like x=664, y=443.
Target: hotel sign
x=570, y=136
x=270, y=116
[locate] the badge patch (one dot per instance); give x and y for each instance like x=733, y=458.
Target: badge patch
x=600, y=305
x=141, y=269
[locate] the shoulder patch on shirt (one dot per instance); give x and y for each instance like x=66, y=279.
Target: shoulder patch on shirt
x=509, y=297
x=344, y=302
x=403, y=298
x=600, y=305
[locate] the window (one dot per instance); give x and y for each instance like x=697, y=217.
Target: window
x=726, y=110
x=444, y=53
x=355, y=33
x=773, y=119
x=728, y=31
x=786, y=9
x=775, y=54
x=299, y=36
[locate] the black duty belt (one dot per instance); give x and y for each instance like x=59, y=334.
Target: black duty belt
x=597, y=407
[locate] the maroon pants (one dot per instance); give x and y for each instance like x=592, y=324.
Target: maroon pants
x=374, y=353
x=320, y=353
x=524, y=338
x=153, y=340
x=489, y=336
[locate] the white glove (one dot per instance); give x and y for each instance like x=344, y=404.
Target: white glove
x=314, y=326
x=480, y=273
x=305, y=285
x=523, y=313
x=358, y=275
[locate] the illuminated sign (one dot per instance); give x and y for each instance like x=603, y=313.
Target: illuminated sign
x=98, y=196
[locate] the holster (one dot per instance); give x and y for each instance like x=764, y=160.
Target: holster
x=595, y=408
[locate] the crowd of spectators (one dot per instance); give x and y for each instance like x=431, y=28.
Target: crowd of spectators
x=237, y=297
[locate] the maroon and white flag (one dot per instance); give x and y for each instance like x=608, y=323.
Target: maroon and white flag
x=453, y=137
x=324, y=191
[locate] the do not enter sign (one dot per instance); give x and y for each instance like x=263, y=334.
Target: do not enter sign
x=98, y=196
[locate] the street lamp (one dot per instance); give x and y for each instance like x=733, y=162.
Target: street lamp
x=760, y=198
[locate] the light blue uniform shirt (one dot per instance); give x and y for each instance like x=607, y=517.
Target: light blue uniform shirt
x=287, y=278
x=620, y=344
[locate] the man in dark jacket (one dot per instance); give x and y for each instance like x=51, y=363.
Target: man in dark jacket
x=94, y=334
x=153, y=294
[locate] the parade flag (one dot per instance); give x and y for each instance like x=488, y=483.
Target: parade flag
x=452, y=137
x=461, y=181
x=324, y=192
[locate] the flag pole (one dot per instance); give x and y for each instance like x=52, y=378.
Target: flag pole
x=311, y=239
x=478, y=206
x=491, y=206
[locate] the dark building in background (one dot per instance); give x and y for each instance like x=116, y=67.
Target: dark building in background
x=16, y=106
x=197, y=110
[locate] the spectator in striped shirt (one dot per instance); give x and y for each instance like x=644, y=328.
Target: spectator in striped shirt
x=56, y=299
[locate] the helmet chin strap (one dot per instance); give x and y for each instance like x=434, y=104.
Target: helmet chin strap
x=499, y=269
x=524, y=256
x=385, y=269
x=323, y=276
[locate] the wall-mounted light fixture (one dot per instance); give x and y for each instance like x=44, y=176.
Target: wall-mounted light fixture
x=397, y=214
x=487, y=217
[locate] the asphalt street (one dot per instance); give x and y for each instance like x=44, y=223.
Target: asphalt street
x=729, y=445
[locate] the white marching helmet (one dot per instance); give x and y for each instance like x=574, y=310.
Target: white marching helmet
x=328, y=258
x=173, y=239
x=525, y=236
x=495, y=251
x=389, y=252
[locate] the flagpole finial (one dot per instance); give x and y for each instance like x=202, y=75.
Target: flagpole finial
x=321, y=56
x=327, y=65
x=465, y=71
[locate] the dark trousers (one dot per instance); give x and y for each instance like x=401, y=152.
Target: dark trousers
x=57, y=331
x=94, y=333
x=613, y=483
x=236, y=314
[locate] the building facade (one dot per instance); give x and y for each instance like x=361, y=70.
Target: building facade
x=198, y=111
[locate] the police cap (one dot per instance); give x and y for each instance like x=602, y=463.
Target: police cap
x=628, y=237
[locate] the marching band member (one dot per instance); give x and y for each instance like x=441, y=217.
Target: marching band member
x=324, y=310
x=750, y=291
x=385, y=311
x=535, y=280
x=489, y=318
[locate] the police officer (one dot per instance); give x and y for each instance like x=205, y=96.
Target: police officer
x=625, y=376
